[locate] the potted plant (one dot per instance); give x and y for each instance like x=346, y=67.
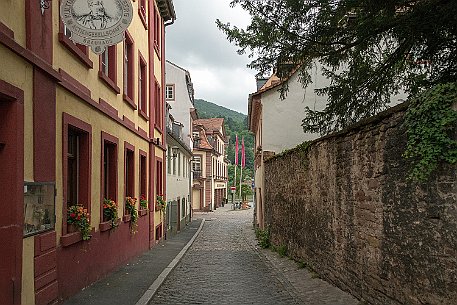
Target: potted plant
x=160, y=203
x=110, y=212
x=130, y=205
x=79, y=217
x=143, y=202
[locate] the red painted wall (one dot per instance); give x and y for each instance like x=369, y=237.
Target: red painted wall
x=11, y=186
x=83, y=263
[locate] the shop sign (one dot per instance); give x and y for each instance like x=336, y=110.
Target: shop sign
x=97, y=23
x=220, y=185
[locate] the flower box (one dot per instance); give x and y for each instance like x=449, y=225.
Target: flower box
x=126, y=218
x=105, y=226
x=70, y=238
x=143, y=212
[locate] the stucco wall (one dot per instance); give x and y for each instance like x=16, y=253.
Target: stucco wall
x=281, y=119
x=347, y=210
x=182, y=104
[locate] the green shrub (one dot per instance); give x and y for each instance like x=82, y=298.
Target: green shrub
x=263, y=237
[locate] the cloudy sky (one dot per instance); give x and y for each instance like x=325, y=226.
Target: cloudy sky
x=195, y=43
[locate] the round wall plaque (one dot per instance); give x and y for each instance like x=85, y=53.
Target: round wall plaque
x=96, y=23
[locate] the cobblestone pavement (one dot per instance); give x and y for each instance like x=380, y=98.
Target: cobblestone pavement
x=225, y=266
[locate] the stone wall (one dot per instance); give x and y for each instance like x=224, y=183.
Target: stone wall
x=347, y=209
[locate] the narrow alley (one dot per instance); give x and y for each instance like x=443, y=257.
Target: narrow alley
x=224, y=265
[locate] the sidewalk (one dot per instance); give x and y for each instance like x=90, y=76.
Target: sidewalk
x=138, y=279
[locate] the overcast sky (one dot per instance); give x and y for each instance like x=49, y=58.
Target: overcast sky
x=195, y=43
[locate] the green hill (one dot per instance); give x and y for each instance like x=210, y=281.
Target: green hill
x=235, y=124
x=208, y=110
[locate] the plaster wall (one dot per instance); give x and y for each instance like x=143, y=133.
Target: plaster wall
x=12, y=14
x=182, y=104
x=281, y=119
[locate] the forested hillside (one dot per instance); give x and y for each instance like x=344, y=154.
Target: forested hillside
x=235, y=124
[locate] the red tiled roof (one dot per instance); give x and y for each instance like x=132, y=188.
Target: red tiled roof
x=211, y=124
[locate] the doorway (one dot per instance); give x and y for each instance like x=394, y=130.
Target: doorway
x=11, y=183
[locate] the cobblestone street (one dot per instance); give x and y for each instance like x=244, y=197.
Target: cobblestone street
x=225, y=266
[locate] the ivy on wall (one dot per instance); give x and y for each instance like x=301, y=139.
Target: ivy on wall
x=430, y=122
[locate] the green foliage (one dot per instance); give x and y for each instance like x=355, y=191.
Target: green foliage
x=263, y=237
x=369, y=49
x=430, y=121
x=207, y=110
x=282, y=250
x=235, y=124
x=130, y=206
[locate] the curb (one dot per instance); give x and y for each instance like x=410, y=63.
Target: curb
x=149, y=294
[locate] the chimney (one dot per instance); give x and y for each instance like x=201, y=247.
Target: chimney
x=260, y=82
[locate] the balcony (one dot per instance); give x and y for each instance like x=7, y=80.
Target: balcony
x=197, y=174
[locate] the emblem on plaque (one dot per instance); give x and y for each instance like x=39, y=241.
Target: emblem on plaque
x=96, y=23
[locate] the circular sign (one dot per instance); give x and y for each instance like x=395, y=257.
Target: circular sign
x=233, y=188
x=97, y=23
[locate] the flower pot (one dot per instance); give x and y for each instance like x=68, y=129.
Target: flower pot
x=72, y=228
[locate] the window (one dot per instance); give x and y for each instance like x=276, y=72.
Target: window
x=196, y=166
x=179, y=163
x=108, y=68
x=158, y=107
x=174, y=165
x=142, y=86
x=79, y=51
x=143, y=174
x=129, y=170
x=142, y=12
x=77, y=136
x=169, y=159
x=128, y=70
x=183, y=207
x=170, y=92
x=159, y=178
x=109, y=169
x=157, y=30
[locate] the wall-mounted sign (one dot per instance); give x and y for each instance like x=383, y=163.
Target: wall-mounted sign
x=97, y=23
x=220, y=185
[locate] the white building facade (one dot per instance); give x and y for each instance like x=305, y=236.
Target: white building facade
x=179, y=96
x=276, y=123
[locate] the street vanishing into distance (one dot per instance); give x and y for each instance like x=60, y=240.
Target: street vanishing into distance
x=225, y=265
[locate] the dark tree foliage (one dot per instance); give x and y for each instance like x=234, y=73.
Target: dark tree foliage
x=370, y=49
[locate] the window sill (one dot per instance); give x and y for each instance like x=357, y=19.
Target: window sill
x=72, y=238
x=143, y=115
x=126, y=218
x=109, y=82
x=105, y=226
x=77, y=52
x=129, y=101
x=142, y=212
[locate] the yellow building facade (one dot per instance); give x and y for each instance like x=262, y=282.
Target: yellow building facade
x=76, y=129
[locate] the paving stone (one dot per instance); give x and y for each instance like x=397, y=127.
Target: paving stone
x=225, y=266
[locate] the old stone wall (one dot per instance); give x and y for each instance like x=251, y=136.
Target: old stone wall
x=346, y=208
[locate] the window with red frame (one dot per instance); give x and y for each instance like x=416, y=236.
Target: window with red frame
x=129, y=172
x=158, y=106
x=157, y=29
x=142, y=85
x=108, y=63
x=77, y=137
x=109, y=170
x=142, y=11
x=159, y=182
x=128, y=67
x=143, y=175
x=78, y=156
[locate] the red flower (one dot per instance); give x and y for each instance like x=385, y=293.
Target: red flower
x=72, y=215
